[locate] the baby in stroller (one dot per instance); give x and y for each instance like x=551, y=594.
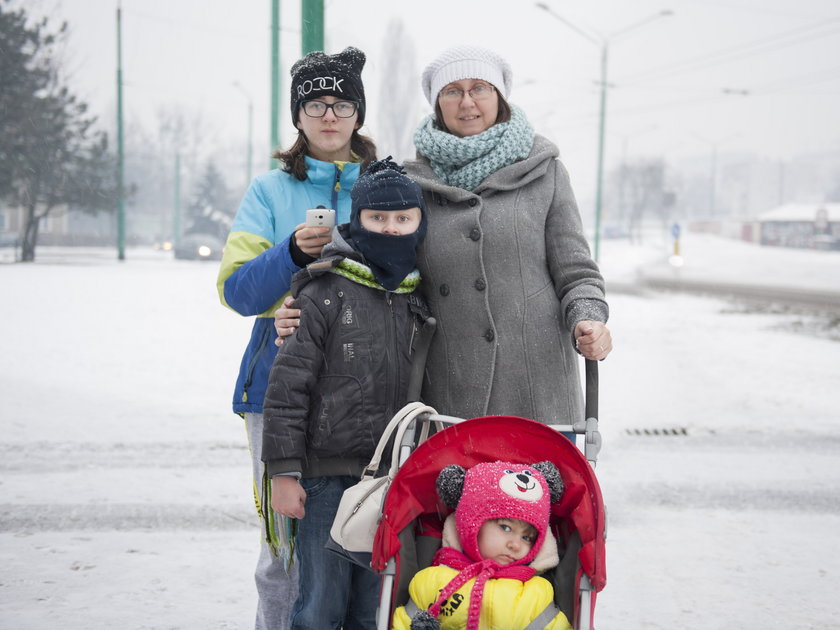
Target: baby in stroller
x=494, y=544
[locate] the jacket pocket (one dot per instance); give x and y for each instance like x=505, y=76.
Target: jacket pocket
x=315, y=485
x=337, y=407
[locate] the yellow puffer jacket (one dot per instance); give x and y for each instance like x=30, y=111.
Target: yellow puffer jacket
x=507, y=604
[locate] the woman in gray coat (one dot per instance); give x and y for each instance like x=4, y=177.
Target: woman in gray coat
x=505, y=265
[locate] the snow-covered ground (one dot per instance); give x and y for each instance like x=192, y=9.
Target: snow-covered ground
x=124, y=495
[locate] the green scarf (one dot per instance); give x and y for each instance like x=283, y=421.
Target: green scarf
x=361, y=274
x=466, y=162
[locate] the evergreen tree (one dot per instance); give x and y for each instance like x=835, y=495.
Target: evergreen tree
x=50, y=154
x=211, y=208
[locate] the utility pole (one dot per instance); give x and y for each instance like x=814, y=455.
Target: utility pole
x=249, y=166
x=602, y=124
x=248, y=156
x=311, y=25
x=176, y=215
x=274, y=140
x=602, y=42
x=713, y=182
x=120, y=146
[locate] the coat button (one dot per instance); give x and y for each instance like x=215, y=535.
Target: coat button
x=475, y=234
x=489, y=335
x=444, y=290
x=480, y=284
x=473, y=202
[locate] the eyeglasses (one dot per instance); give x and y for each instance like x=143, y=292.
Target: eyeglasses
x=477, y=93
x=317, y=109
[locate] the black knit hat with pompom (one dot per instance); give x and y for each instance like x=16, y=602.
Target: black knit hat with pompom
x=339, y=75
x=385, y=186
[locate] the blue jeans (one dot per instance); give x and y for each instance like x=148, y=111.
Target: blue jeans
x=334, y=593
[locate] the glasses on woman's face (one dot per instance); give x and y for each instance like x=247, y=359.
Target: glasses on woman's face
x=477, y=92
x=341, y=109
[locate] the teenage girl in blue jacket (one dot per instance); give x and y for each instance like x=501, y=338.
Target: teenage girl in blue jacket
x=268, y=243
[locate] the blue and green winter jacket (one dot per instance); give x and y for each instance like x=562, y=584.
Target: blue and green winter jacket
x=257, y=267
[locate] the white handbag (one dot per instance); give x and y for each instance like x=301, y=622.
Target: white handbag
x=360, y=509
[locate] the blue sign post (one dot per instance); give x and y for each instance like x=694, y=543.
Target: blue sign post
x=675, y=232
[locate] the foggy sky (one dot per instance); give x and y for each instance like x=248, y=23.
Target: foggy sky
x=752, y=76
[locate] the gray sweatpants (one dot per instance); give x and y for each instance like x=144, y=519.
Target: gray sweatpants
x=277, y=590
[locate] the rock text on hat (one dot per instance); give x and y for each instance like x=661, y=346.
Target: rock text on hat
x=320, y=84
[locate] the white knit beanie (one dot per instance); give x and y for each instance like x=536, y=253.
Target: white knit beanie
x=466, y=62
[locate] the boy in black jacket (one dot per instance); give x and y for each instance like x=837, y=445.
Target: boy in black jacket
x=337, y=382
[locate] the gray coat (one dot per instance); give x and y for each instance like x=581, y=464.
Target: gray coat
x=507, y=273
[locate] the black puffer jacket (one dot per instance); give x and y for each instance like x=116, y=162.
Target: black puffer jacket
x=340, y=378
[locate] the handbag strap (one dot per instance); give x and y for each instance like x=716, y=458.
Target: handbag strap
x=400, y=421
x=418, y=362
x=410, y=416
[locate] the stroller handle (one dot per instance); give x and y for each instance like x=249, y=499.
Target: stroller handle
x=592, y=441
x=591, y=369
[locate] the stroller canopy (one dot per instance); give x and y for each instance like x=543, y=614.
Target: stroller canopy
x=487, y=439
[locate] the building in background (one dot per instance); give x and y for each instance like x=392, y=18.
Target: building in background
x=802, y=225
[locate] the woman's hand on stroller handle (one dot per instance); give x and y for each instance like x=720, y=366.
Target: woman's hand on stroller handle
x=593, y=340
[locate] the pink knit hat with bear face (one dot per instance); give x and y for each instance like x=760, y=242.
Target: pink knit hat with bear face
x=500, y=490
x=484, y=492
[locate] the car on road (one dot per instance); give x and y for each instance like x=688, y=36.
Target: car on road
x=199, y=246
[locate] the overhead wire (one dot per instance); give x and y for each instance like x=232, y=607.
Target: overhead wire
x=180, y=24
x=830, y=74
x=751, y=8
x=760, y=46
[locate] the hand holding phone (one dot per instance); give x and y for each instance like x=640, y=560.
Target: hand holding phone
x=310, y=241
x=320, y=217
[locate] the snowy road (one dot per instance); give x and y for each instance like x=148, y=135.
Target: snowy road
x=67, y=500
x=124, y=479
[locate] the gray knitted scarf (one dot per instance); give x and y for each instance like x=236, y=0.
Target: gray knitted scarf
x=466, y=162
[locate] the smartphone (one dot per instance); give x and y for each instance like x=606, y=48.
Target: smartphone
x=320, y=217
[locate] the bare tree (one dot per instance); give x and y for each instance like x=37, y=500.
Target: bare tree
x=211, y=208
x=181, y=136
x=640, y=190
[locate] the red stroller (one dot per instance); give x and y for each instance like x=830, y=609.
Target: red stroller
x=402, y=545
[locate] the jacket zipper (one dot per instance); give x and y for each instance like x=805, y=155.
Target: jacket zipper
x=392, y=341
x=252, y=364
x=336, y=187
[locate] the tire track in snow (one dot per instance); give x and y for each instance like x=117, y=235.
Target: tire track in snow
x=30, y=519
x=69, y=456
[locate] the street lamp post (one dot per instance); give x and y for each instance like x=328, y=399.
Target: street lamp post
x=274, y=140
x=603, y=43
x=248, y=161
x=120, y=144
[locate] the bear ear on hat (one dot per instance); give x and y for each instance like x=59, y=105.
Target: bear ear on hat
x=450, y=485
x=552, y=478
x=353, y=58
